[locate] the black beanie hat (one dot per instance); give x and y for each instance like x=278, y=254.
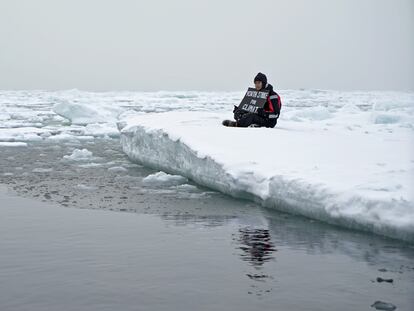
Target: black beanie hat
x=261, y=77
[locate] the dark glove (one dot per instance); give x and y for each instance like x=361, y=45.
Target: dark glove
x=238, y=114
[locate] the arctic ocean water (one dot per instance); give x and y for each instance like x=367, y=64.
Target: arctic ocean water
x=85, y=228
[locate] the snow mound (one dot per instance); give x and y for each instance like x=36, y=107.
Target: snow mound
x=360, y=179
x=164, y=179
x=79, y=155
x=83, y=113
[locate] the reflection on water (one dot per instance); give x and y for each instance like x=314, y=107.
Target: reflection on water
x=256, y=248
x=203, y=220
x=318, y=238
x=256, y=245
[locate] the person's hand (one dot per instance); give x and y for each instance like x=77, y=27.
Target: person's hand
x=238, y=114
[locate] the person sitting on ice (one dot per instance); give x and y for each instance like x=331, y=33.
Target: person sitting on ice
x=260, y=117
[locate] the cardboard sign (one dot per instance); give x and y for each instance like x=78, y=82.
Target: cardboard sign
x=254, y=100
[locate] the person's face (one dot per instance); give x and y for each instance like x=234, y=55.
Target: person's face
x=258, y=85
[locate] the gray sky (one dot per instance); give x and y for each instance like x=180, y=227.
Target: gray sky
x=206, y=45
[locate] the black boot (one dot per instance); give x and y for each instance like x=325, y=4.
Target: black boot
x=229, y=123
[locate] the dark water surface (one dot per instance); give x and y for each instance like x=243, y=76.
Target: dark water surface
x=132, y=245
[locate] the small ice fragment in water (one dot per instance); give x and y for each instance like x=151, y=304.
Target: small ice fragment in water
x=79, y=155
x=117, y=169
x=86, y=187
x=380, y=305
x=164, y=179
x=42, y=170
x=13, y=144
x=187, y=188
x=90, y=165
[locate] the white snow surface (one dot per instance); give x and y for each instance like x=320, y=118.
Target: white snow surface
x=341, y=165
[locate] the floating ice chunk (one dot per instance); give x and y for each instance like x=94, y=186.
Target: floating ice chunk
x=187, y=187
x=85, y=137
x=62, y=136
x=385, y=306
x=90, y=165
x=164, y=179
x=86, y=112
x=117, y=169
x=12, y=144
x=21, y=134
x=99, y=130
x=86, y=187
x=79, y=155
x=42, y=170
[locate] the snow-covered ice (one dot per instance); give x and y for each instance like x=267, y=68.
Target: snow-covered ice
x=21, y=134
x=164, y=179
x=79, y=155
x=86, y=111
x=336, y=164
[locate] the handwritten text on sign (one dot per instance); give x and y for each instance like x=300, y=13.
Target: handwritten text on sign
x=253, y=100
